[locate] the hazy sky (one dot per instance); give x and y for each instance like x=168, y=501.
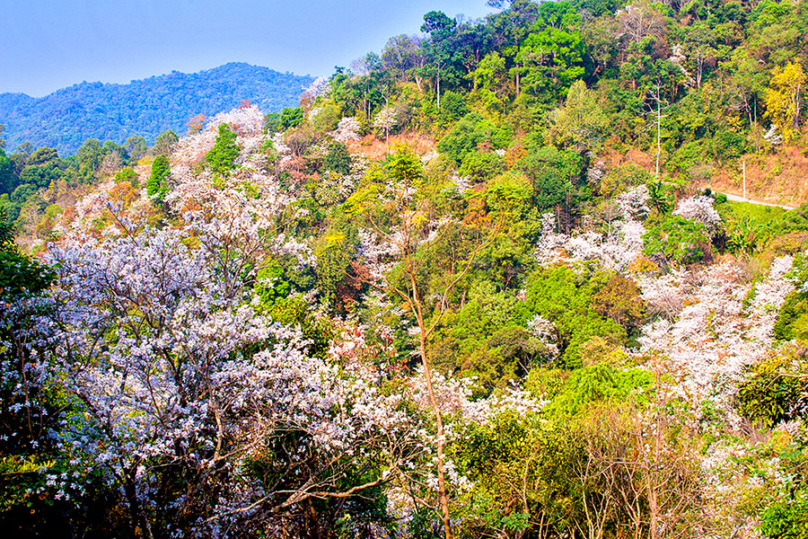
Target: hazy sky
x=50, y=44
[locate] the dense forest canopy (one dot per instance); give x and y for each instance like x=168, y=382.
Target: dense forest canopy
x=485, y=282
x=66, y=118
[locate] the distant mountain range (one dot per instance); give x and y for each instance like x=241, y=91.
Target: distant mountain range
x=67, y=117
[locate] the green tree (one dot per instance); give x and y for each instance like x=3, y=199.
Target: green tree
x=482, y=166
x=42, y=168
x=165, y=143
x=439, y=48
x=553, y=53
x=222, y=157
x=136, y=147
x=491, y=81
x=337, y=158
x=288, y=118
x=580, y=123
x=157, y=186
x=677, y=240
x=470, y=132
x=659, y=199
x=511, y=27
x=551, y=172
x=8, y=180
x=565, y=299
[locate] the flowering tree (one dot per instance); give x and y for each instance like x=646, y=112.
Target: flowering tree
x=203, y=414
x=700, y=209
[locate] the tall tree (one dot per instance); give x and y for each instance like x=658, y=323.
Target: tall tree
x=222, y=157
x=165, y=143
x=439, y=48
x=511, y=26
x=783, y=98
x=157, y=186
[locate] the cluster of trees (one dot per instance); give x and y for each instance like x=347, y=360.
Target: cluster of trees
x=65, y=119
x=715, y=76
x=269, y=330
x=37, y=185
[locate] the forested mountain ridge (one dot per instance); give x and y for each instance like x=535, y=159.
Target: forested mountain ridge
x=473, y=286
x=67, y=117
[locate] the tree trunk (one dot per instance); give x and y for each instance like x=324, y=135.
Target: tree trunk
x=438, y=89
x=658, y=132
x=140, y=523
x=443, y=497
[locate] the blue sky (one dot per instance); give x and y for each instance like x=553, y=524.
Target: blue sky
x=51, y=44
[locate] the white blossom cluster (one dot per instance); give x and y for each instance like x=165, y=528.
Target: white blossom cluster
x=459, y=184
x=386, y=118
x=772, y=136
x=595, y=173
x=616, y=250
x=454, y=397
x=679, y=59
x=633, y=203
x=153, y=339
x=736, y=474
x=347, y=130
x=546, y=332
x=700, y=209
x=708, y=332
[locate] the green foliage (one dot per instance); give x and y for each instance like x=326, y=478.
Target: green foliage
x=660, y=198
x=481, y=166
x=270, y=285
x=510, y=193
x=405, y=167
x=136, y=147
x=553, y=53
x=470, y=132
x=599, y=384
x=335, y=280
x=19, y=274
x=288, y=118
x=157, y=187
x=551, y=172
x=165, y=143
x=452, y=108
x=89, y=157
x=565, y=298
x=8, y=180
x=677, y=240
x=43, y=167
x=327, y=118
x=792, y=319
x=127, y=175
x=222, y=157
x=466, y=332
x=581, y=123
x=337, y=159
x=786, y=520
x=774, y=388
